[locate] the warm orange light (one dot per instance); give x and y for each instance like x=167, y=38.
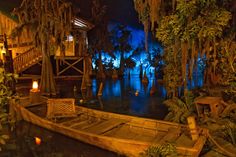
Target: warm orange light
x=3, y=50
x=37, y=140
x=136, y=93
x=35, y=86
x=81, y=101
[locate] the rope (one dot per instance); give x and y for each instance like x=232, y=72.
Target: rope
x=220, y=147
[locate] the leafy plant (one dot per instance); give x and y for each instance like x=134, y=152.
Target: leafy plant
x=5, y=92
x=229, y=132
x=180, y=109
x=188, y=30
x=164, y=150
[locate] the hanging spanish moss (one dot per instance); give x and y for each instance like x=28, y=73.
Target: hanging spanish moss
x=197, y=24
x=148, y=15
x=50, y=22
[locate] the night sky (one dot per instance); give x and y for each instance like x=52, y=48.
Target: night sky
x=121, y=11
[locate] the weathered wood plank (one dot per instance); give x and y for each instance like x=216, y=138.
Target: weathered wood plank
x=170, y=136
x=71, y=122
x=105, y=126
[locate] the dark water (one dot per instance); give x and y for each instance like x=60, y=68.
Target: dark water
x=117, y=96
x=22, y=144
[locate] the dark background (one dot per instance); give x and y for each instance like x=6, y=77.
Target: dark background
x=121, y=11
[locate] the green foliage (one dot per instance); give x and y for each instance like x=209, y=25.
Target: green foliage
x=164, y=150
x=194, y=23
x=169, y=28
x=5, y=93
x=230, y=133
x=180, y=109
x=193, y=20
x=223, y=128
x=227, y=62
x=172, y=75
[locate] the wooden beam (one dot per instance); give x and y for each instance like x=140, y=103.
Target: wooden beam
x=71, y=66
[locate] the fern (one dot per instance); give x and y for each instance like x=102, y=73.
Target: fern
x=167, y=149
x=180, y=109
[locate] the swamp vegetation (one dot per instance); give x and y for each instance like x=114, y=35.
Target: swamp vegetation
x=192, y=32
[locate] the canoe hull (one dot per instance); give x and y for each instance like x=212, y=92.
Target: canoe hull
x=125, y=147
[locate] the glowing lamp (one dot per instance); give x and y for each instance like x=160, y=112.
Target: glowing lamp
x=35, y=86
x=3, y=51
x=37, y=140
x=81, y=101
x=136, y=93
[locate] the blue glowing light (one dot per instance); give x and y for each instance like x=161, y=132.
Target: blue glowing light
x=136, y=40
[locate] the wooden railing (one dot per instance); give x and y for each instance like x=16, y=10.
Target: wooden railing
x=26, y=59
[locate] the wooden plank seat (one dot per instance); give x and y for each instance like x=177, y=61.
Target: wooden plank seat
x=105, y=126
x=61, y=107
x=170, y=136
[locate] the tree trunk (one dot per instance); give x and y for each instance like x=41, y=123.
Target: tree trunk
x=47, y=84
x=100, y=72
x=121, y=71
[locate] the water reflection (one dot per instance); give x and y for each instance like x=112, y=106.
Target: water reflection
x=119, y=96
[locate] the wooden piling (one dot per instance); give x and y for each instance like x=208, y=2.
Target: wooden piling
x=100, y=89
x=193, y=128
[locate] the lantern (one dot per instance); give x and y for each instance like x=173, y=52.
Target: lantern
x=81, y=101
x=37, y=140
x=35, y=96
x=35, y=86
x=2, y=52
x=136, y=93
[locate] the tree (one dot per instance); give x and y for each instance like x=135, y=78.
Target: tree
x=136, y=54
x=99, y=36
x=129, y=64
x=188, y=29
x=156, y=60
x=50, y=21
x=5, y=93
x=120, y=39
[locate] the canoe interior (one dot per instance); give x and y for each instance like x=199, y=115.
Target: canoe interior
x=123, y=128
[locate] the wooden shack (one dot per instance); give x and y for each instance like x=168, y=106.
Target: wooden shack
x=209, y=105
x=27, y=59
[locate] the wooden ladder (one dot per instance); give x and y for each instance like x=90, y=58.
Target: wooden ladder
x=26, y=60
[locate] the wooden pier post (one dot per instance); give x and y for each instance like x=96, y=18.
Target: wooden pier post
x=100, y=89
x=193, y=128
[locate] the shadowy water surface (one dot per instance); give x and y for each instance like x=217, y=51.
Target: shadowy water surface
x=22, y=144
x=126, y=96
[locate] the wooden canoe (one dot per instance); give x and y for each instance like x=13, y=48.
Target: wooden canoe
x=123, y=134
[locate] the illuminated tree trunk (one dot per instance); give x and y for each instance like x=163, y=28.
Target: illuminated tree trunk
x=47, y=83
